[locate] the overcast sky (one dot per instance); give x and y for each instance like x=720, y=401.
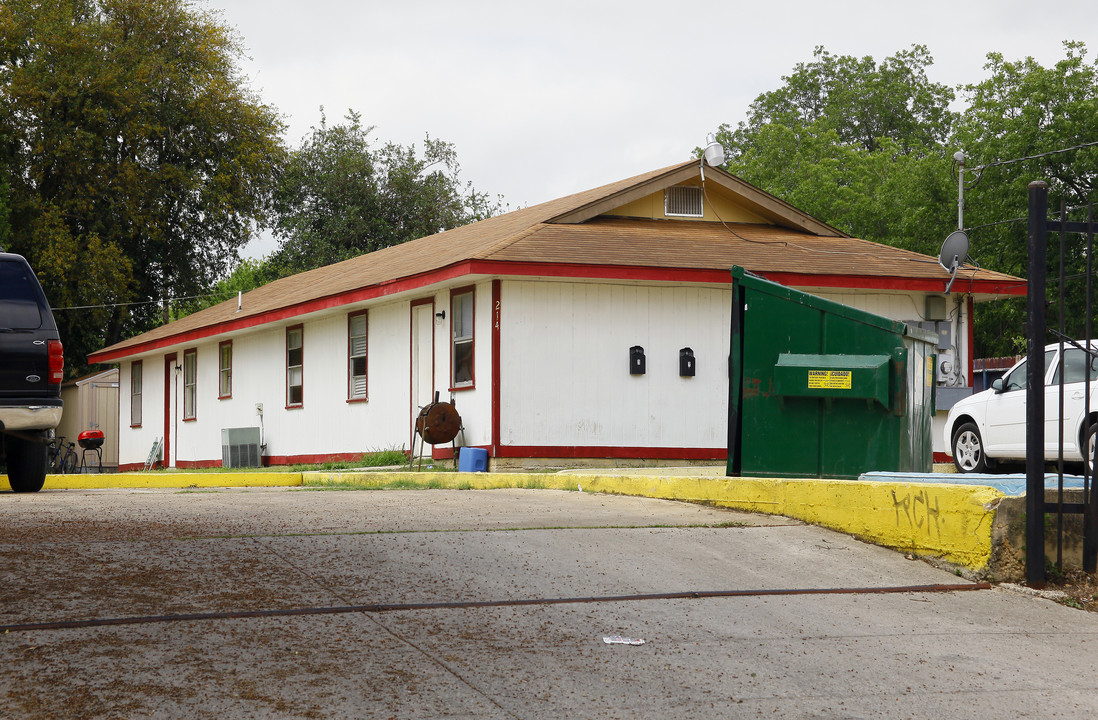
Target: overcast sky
x=546, y=99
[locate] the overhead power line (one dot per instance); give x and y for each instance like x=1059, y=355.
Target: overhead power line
x=1034, y=157
x=143, y=302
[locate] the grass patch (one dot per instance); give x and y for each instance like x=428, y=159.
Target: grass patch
x=400, y=483
x=371, y=459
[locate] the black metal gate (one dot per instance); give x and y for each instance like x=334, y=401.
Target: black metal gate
x=1037, y=331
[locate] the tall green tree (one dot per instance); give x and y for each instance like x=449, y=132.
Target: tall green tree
x=843, y=137
x=342, y=195
x=137, y=157
x=868, y=148
x=1025, y=110
x=856, y=100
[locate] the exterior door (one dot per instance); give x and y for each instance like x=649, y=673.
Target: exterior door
x=423, y=361
x=171, y=393
x=104, y=405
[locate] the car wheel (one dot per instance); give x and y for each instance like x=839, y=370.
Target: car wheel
x=968, y=450
x=26, y=464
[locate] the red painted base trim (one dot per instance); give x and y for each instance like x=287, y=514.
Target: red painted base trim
x=610, y=452
x=313, y=459
x=197, y=464
x=446, y=452
x=941, y=457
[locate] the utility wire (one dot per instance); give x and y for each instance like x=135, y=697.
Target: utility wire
x=142, y=302
x=1034, y=157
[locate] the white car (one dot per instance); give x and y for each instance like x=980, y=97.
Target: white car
x=991, y=425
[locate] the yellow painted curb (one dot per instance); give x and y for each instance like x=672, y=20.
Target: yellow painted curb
x=166, y=480
x=950, y=522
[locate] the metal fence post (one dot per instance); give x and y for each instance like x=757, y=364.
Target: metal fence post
x=1035, y=390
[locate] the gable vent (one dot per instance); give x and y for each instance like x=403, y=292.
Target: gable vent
x=683, y=201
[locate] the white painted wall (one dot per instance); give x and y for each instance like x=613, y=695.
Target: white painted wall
x=565, y=365
x=326, y=423
x=564, y=381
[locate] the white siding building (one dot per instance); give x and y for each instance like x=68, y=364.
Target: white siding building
x=526, y=321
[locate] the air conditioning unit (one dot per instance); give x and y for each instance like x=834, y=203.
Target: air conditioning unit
x=240, y=447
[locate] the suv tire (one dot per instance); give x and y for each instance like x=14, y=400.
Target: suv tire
x=27, y=460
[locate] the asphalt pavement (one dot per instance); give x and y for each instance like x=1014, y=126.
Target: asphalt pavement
x=298, y=603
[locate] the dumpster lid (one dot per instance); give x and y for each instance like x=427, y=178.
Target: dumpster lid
x=754, y=282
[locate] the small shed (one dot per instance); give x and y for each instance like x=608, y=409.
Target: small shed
x=91, y=403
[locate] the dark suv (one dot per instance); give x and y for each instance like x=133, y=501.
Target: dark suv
x=31, y=369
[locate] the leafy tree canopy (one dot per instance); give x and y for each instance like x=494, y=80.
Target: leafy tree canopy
x=342, y=195
x=868, y=148
x=136, y=156
x=856, y=100
x=1024, y=110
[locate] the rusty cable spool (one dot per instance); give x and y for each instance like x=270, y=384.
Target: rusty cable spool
x=438, y=423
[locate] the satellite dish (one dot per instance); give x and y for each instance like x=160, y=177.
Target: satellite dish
x=953, y=254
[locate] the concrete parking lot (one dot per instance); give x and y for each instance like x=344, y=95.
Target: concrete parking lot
x=293, y=603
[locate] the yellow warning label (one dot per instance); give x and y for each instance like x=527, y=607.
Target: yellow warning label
x=829, y=379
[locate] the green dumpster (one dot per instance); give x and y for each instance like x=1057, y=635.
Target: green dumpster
x=819, y=389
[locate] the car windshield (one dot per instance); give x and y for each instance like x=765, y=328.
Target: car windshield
x=18, y=298
x=1016, y=380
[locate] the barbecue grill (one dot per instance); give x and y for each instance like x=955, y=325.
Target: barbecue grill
x=437, y=423
x=91, y=441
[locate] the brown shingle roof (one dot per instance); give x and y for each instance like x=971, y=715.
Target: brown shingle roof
x=713, y=245
x=798, y=244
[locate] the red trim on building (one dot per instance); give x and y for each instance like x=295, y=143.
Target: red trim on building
x=971, y=347
x=446, y=452
x=992, y=287
x=168, y=360
x=196, y=464
x=610, y=452
x=941, y=457
x=497, y=314
x=309, y=459
x=594, y=272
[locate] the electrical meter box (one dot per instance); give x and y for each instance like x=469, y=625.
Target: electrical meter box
x=820, y=389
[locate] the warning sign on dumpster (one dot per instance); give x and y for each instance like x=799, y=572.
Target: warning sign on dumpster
x=829, y=379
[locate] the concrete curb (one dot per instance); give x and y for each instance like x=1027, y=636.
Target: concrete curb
x=948, y=522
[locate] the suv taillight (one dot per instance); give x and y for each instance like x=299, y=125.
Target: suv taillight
x=57, y=362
